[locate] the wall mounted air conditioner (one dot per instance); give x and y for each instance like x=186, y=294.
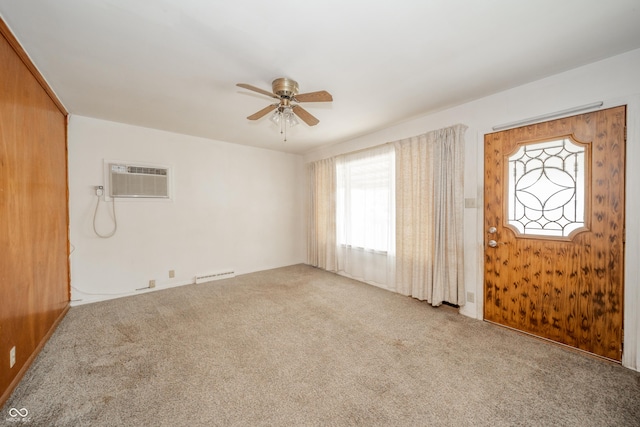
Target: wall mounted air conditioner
x=138, y=181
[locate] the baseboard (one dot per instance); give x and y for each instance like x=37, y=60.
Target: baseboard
x=7, y=393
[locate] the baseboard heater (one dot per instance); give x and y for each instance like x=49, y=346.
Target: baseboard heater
x=215, y=276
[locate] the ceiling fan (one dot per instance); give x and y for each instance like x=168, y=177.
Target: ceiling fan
x=286, y=92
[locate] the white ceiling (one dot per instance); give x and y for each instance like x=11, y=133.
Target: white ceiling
x=173, y=64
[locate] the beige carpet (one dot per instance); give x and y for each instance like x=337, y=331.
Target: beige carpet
x=298, y=346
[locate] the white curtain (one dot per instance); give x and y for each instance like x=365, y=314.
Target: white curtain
x=429, y=212
x=321, y=231
x=365, y=216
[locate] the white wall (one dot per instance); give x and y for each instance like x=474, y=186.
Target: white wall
x=614, y=81
x=234, y=207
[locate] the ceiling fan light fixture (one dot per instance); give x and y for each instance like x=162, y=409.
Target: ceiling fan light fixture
x=284, y=117
x=290, y=117
x=287, y=111
x=275, y=117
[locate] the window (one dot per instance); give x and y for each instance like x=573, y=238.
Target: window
x=365, y=200
x=546, y=188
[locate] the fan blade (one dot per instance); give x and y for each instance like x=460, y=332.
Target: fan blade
x=262, y=112
x=305, y=115
x=320, y=96
x=257, y=89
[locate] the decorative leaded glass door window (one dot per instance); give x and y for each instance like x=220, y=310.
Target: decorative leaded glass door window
x=547, y=188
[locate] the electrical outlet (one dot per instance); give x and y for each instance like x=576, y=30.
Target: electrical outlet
x=152, y=283
x=172, y=274
x=12, y=356
x=99, y=190
x=471, y=297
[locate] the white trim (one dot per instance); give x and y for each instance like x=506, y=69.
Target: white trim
x=631, y=353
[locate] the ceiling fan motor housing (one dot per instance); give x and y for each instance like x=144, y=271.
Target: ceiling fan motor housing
x=285, y=87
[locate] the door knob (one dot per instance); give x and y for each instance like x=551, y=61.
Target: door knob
x=493, y=243
x=492, y=230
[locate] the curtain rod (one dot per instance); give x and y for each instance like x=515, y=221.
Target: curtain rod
x=549, y=116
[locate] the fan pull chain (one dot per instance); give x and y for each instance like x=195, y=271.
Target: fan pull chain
x=285, y=130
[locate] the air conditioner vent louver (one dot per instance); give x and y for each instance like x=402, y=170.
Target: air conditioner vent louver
x=146, y=171
x=138, y=181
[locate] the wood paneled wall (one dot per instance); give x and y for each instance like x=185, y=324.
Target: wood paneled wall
x=34, y=220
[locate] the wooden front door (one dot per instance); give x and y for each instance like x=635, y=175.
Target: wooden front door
x=554, y=230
